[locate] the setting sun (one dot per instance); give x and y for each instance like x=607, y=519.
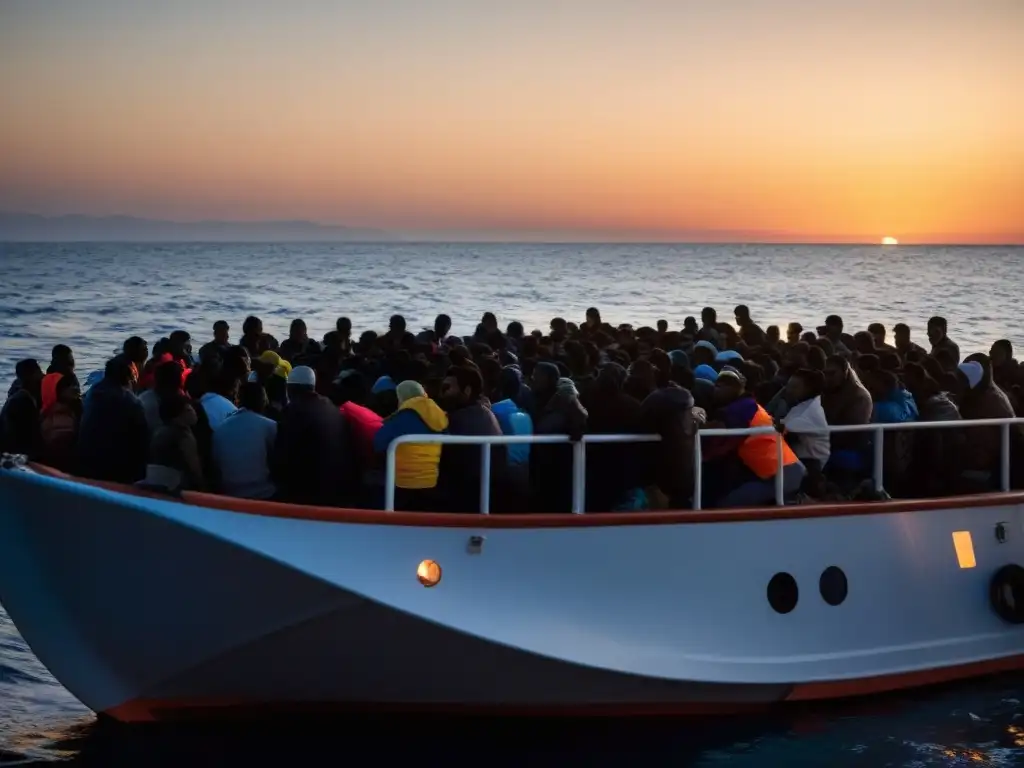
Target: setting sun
x=890, y=241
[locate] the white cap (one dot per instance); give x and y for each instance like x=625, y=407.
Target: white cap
x=973, y=371
x=302, y=375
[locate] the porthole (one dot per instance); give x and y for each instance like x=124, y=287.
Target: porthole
x=832, y=585
x=1006, y=592
x=783, y=593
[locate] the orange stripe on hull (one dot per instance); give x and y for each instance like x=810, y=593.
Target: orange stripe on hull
x=154, y=710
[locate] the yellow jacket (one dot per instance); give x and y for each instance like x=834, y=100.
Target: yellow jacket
x=416, y=466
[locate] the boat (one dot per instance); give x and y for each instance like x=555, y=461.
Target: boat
x=149, y=606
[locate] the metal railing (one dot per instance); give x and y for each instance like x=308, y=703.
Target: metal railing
x=579, y=456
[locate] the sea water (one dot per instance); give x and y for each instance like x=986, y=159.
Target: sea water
x=94, y=296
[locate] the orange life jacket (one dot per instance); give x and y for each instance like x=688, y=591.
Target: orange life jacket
x=760, y=452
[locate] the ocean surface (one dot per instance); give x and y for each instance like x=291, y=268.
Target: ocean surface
x=93, y=296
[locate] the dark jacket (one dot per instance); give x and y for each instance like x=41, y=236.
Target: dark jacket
x=460, y=464
x=19, y=424
x=850, y=404
x=175, y=446
x=551, y=465
x=312, y=462
x=613, y=469
x=669, y=464
x=113, y=438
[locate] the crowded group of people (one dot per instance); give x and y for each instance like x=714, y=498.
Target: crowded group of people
x=309, y=422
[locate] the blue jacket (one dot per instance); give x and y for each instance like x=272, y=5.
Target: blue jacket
x=514, y=421
x=897, y=408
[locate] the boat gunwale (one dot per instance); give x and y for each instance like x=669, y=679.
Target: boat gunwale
x=544, y=520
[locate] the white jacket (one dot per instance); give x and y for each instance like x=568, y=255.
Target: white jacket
x=804, y=424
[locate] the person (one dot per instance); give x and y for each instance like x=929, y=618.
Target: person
x=174, y=461
x=243, y=446
x=349, y=392
x=805, y=425
x=298, y=347
x=397, y=336
x=221, y=342
x=893, y=405
x=667, y=467
x=740, y=471
x=19, y=418
x=936, y=453
x=982, y=399
x=793, y=333
x=511, y=416
x=252, y=336
x=749, y=331
x=901, y=339
x=168, y=380
x=612, y=470
x=113, y=438
x=1005, y=369
x=937, y=330
x=219, y=392
x=834, y=334
x=312, y=461
x=709, y=328
x=846, y=402
x=61, y=399
x=462, y=398
x=417, y=466
x=877, y=331
x=558, y=411
x=181, y=347
x=62, y=360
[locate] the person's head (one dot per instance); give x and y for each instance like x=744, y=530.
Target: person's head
x=350, y=386
x=489, y=322
x=1001, y=352
x=462, y=385
x=120, y=371
x=252, y=326
x=167, y=378
x=864, y=343
x=793, y=332
x=936, y=330
x=177, y=410
x=690, y=325
x=877, y=331
x=29, y=373
x=804, y=384
x=409, y=389
x=253, y=397
x=889, y=361
x=515, y=330
x=344, y=327
x=545, y=378
x=816, y=358
x=181, y=344
x=773, y=333
x=742, y=313
x=919, y=382
x=704, y=353
x=396, y=324
x=301, y=381
x=298, y=332
x=881, y=384
x=663, y=326
x=221, y=333
x=901, y=335
x=62, y=359
x=137, y=350
x=442, y=325
x=729, y=386
x=837, y=370
x=709, y=317
x=833, y=326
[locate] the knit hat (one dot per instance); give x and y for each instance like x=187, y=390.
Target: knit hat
x=679, y=358
x=705, y=372
x=383, y=384
x=409, y=389
x=728, y=354
x=302, y=375
x=706, y=345
x=973, y=371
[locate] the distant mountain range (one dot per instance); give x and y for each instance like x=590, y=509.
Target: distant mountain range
x=22, y=227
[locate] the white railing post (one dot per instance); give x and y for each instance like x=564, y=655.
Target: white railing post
x=485, y=478
x=780, y=483
x=879, y=449
x=389, y=477
x=698, y=470
x=1004, y=457
x=578, y=479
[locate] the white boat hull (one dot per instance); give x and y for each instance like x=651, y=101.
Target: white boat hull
x=146, y=607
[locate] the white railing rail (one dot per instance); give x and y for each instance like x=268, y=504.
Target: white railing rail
x=579, y=453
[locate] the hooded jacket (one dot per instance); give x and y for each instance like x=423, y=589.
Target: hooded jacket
x=416, y=466
x=58, y=426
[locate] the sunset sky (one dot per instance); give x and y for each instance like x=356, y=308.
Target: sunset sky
x=650, y=119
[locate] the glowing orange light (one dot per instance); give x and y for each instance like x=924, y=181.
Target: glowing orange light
x=964, y=547
x=429, y=573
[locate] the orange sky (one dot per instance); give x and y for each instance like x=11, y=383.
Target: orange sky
x=847, y=119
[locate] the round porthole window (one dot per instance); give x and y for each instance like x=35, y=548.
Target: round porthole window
x=832, y=585
x=783, y=593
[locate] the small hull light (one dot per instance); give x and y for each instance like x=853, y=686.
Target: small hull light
x=429, y=573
